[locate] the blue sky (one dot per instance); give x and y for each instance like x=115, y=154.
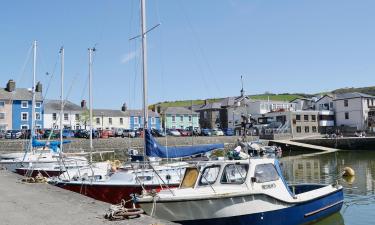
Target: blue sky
x=200, y=50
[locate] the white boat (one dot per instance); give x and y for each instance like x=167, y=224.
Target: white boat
x=242, y=192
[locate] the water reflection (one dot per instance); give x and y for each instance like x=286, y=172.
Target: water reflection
x=359, y=191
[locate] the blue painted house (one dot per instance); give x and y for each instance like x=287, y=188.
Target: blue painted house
x=21, y=100
x=136, y=119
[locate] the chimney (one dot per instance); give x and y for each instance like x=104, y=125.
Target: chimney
x=11, y=85
x=83, y=104
x=205, y=102
x=124, y=107
x=38, y=87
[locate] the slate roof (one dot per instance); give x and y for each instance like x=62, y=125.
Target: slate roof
x=178, y=110
x=139, y=112
x=19, y=94
x=54, y=105
x=108, y=113
x=352, y=95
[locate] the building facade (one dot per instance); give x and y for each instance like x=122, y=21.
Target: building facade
x=355, y=110
x=104, y=119
x=136, y=119
x=71, y=119
x=179, y=117
x=5, y=113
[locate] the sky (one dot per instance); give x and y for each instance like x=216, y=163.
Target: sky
x=200, y=50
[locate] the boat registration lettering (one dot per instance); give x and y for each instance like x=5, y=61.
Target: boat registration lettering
x=268, y=186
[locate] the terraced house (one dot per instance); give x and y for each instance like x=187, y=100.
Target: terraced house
x=180, y=117
x=16, y=107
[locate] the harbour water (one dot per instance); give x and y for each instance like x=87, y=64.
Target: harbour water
x=359, y=191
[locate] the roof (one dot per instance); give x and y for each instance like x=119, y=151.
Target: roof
x=54, y=105
x=303, y=99
x=329, y=96
x=108, y=112
x=19, y=94
x=178, y=110
x=213, y=105
x=139, y=112
x=353, y=95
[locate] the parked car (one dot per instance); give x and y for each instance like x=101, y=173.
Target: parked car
x=184, y=132
x=81, y=133
x=13, y=134
x=157, y=133
x=217, y=132
x=2, y=133
x=173, y=132
x=196, y=131
x=206, y=132
x=67, y=133
x=118, y=132
x=128, y=133
x=48, y=133
x=229, y=132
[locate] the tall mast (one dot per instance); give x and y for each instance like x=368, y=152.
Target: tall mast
x=32, y=129
x=61, y=98
x=91, y=50
x=144, y=72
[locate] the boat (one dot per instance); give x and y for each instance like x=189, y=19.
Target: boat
x=250, y=191
x=115, y=186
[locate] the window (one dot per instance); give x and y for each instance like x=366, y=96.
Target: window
x=110, y=121
x=54, y=116
x=298, y=117
x=121, y=121
x=97, y=121
x=209, y=175
x=173, y=118
x=313, y=118
x=37, y=116
x=24, y=104
x=306, y=117
x=2, y=104
x=24, y=116
x=77, y=117
x=24, y=127
x=136, y=120
x=346, y=103
x=38, y=104
x=66, y=117
x=190, y=118
x=298, y=129
x=181, y=118
x=307, y=129
x=234, y=174
x=346, y=115
x=314, y=129
x=2, y=116
x=265, y=173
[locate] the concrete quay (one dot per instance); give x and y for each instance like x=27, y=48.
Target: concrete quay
x=43, y=204
x=122, y=144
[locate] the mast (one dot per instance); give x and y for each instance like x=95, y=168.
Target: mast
x=91, y=50
x=144, y=72
x=32, y=129
x=61, y=98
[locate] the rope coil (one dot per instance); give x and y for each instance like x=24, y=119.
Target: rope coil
x=120, y=212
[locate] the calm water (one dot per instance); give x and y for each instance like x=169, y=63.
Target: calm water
x=359, y=192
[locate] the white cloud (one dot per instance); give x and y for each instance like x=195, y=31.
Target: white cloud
x=129, y=56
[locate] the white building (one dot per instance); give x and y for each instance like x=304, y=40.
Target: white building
x=109, y=119
x=354, y=110
x=71, y=115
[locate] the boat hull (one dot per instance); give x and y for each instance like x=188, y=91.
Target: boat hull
x=247, y=210
x=113, y=194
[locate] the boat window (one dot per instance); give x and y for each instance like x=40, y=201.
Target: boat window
x=265, y=173
x=190, y=178
x=234, y=174
x=209, y=175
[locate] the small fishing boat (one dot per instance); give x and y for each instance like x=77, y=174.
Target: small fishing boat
x=242, y=192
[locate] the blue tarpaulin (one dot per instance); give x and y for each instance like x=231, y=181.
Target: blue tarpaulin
x=154, y=149
x=54, y=145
